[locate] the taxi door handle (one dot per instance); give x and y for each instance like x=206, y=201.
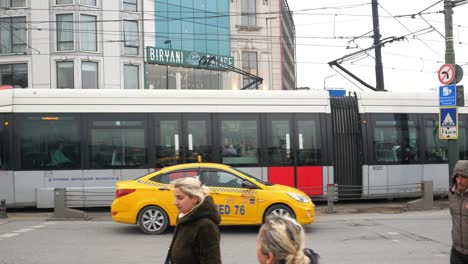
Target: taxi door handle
x=164, y=189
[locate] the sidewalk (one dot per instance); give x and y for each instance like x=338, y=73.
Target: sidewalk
x=381, y=206
x=345, y=207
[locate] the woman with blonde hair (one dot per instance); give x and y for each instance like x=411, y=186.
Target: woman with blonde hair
x=281, y=241
x=196, y=236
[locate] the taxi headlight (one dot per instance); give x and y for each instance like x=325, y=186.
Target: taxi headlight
x=299, y=198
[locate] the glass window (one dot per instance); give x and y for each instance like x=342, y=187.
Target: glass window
x=131, y=77
x=168, y=146
x=170, y=177
x=239, y=142
x=12, y=3
x=249, y=64
x=130, y=5
x=279, y=142
x=248, y=17
x=131, y=37
x=15, y=75
x=13, y=35
x=65, y=37
x=88, y=33
x=216, y=178
x=89, y=75
x=4, y=143
x=309, y=147
x=156, y=76
x=64, y=2
x=117, y=143
x=396, y=140
x=437, y=149
x=88, y=2
x=49, y=142
x=195, y=25
x=65, y=74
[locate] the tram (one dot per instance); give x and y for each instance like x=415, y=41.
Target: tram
x=373, y=145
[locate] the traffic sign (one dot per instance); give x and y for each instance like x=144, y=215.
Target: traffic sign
x=446, y=74
x=448, y=95
x=448, y=123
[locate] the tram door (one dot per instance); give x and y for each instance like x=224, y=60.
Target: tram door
x=180, y=138
x=294, y=151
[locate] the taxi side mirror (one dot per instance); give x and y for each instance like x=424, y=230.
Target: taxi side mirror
x=248, y=185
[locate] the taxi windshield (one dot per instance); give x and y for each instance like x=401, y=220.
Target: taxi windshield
x=253, y=177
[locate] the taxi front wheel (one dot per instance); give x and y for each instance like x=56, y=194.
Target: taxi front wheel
x=279, y=210
x=152, y=220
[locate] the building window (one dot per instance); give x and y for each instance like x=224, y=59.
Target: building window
x=65, y=32
x=15, y=75
x=88, y=33
x=88, y=2
x=13, y=35
x=131, y=38
x=130, y=5
x=65, y=74
x=131, y=77
x=12, y=3
x=248, y=13
x=64, y=2
x=89, y=75
x=249, y=64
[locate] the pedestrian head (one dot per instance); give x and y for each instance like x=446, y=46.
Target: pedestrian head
x=281, y=240
x=460, y=175
x=189, y=192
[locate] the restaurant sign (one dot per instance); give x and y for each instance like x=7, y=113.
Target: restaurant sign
x=183, y=58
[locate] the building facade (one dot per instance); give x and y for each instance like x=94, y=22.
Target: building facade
x=146, y=44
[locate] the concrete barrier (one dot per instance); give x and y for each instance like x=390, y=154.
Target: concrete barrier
x=61, y=212
x=427, y=200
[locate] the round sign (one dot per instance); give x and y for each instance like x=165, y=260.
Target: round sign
x=446, y=74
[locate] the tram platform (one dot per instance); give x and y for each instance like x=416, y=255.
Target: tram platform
x=344, y=207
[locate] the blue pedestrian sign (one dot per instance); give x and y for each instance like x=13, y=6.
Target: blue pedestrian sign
x=448, y=95
x=448, y=123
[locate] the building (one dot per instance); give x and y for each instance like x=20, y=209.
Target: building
x=146, y=44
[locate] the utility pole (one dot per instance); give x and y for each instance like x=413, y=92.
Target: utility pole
x=378, y=53
x=450, y=59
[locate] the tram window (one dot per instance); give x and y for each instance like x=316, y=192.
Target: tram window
x=279, y=143
x=3, y=147
x=239, y=142
x=395, y=141
x=462, y=153
x=117, y=144
x=49, y=142
x=309, y=150
x=436, y=149
x=168, y=150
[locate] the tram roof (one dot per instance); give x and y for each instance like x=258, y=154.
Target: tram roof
x=401, y=102
x=147, y=101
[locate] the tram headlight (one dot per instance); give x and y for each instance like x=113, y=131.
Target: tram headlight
x=299, y=198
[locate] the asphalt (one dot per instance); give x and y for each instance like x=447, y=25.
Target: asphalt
x=343, y=207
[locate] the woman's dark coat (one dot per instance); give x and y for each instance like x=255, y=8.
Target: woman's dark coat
x=197, y=237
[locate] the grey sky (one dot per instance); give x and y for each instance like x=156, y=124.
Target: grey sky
x=409, y=65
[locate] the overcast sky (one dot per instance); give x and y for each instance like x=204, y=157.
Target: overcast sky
x=324, y=32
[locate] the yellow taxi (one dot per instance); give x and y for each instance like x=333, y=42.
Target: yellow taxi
x=242, y=199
